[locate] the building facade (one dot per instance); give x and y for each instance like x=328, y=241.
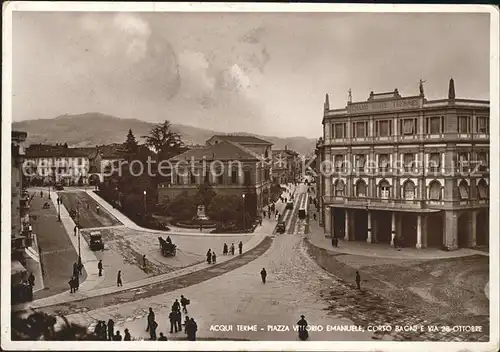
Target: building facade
x=230, y=168
x=286, y=166
x=406, y=171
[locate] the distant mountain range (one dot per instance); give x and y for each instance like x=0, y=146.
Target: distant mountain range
x=90, y=129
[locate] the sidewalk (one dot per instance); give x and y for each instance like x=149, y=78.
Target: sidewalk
x=66, y=297
x=380, y=250
x=88, y=257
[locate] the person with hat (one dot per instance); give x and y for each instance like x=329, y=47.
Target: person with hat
x=302, y=323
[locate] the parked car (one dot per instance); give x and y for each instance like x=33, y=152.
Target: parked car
x=58, y=186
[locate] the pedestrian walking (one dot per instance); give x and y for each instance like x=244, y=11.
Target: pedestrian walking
x=314, y=216
x=71, y=283
x=152, y=330
x=358, y=280
x=80, y=266
x=77, y=283
x=111, y=328
x=172, y=318
x=31, y=280
x=240, y=247
x=224, y=249
x=74, y=230
x=99, y=267
x=260, y=221
x=209, y=256
x=41, y=194
x=144, y=261
x=75, y=269
x=176, y=306
x=117, y=336
x=263, y=275
x=126, y=336
x=269, y=215
x=184, y=303
x=264, y=213
x=151, y=318
x=119, y=279
x=186, y=324
x=162, y=337
x=214, y=258
x=232, y=248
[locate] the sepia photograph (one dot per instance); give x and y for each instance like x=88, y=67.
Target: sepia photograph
x=250, y=176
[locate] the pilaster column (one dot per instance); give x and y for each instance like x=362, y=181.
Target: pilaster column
x=393, y=228
x=419, y=231
x=328, y=221
x=472, y=229
x=346, y=232
x=450, y=230
x=332, y=222
x=369, y=236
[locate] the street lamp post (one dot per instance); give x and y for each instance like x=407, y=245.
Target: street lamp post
x=58, y=207
x=78, y=229
x=244, y=210
x=145, y=206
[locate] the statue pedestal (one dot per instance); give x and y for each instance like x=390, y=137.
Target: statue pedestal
x=200, y=214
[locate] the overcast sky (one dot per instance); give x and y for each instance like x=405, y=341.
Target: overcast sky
x=258, y=73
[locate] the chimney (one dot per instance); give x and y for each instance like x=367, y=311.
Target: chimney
x=451, y=89
x=327, y=103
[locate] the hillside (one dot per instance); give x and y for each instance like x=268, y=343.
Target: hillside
x=91, y=129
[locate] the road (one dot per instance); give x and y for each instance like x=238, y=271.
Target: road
x=238, y=296
x=58, y=254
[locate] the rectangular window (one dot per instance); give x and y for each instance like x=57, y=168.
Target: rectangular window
x=434, y=125
x=482, y=124
x=384, y=192
x=482, y=160
x=339, y=162
x=434, y=162
x=360, y=129
x=409, y=161
x=409, y=127
x=383, y=128
x=234, y=177
x=359, y=162
x=383, y=162
x=247, y=178
x=463, y=124
x=338, y=130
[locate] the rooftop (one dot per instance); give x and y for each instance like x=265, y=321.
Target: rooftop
x=224, y=151
x=241, y=139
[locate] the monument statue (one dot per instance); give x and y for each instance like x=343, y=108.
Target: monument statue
x=200, y=213
x=421, y=86
x=349, y=99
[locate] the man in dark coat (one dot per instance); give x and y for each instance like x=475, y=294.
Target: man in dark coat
x=173, y=325
x=263, y=275
x=178, y=320
x=111, y=328
x=214, y=258
x=184, y=303
x=176, y=306
x=224, y=249
x=232, y=248
x=119, y=279
x=302, y=323
x=71, y=283
x=75, y=269
x=99, y=267
x=169, y=240
x=240, y=247
x=152, y=330
x=126, y=336
x=151, y=318
x=104, y=331
x=209, y=256
x=117, y=336
x=191, y=328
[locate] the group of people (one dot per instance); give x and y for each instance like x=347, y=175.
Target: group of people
x=74, y=282
x=226, y=250
x=175, y=319
x=106, y=332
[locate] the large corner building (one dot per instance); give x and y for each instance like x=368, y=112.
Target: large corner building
x=406, y=171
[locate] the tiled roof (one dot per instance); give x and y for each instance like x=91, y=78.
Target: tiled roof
x=242, y=139
x=223, y=151
x=54, y=151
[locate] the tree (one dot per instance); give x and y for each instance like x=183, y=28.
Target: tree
x=164, y=141
x=41, y=326
x=130, y=146
x=183, y=207
x=225, y=209
x=205, y=194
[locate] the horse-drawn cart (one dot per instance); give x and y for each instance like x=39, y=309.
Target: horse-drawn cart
x=168, y=249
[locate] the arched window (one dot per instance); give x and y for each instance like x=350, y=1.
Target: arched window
x=463, y=189
x=435, y=190
x=409, y=190
x=482, y=189
x=385, y=189
x=339, y=188
x=361, y=189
